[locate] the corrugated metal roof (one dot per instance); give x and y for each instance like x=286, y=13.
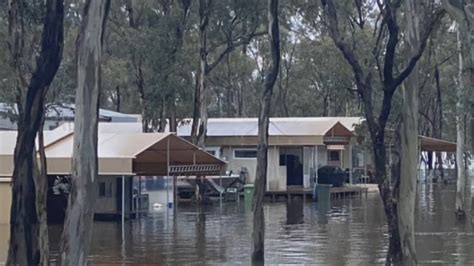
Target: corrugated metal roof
x=279, y=126
x=66, y=112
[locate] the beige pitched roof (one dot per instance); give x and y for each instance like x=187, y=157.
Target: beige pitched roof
x=279, y=126
x=119, y=153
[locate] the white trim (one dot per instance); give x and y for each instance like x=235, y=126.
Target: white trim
x=5, y=179
x=244, y=149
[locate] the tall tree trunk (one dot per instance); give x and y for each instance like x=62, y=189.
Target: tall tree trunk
x=439, y=130
x=75, y=240
x=163, y=111
x=258, y=234
x=196, y=110
x=41, y=184
x=463, y=13
x=172, y=115
x=204, y=10
x=460, y=137
x=25, y=247
x=409, y=143
x=143, y=102
x=118, y=95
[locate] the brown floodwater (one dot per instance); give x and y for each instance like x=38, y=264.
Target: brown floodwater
x=351, y=232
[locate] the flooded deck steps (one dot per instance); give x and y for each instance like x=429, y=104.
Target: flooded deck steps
x=336, y=192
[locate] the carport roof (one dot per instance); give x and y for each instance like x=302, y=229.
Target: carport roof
x=124, y=154
x=432, y=144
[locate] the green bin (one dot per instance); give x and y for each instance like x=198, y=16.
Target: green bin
x=248, y=195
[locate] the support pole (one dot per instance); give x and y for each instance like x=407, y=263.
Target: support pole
x=175, y=193
x=167, y=171
x=350, y=163
x=123, y=210
x=220, y=184
x=365, y=165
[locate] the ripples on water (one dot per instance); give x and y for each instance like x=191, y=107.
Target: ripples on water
x=351, y=232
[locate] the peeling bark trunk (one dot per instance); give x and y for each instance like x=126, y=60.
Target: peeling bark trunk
x=76, y=236
x=25, y=246
x=204, y=9
x=41, y=185
x=439, y=131
x=460, y=137
x=409, y=144
x=196, y=108
x=258, y=234
x=463, y=13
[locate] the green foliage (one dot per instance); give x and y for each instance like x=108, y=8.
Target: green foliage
x=314, y=80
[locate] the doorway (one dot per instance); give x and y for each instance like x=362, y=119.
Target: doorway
x=292, y=158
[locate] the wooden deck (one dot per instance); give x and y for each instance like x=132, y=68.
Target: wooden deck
x=336, y=193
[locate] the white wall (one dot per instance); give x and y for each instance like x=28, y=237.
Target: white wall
x=107, y=204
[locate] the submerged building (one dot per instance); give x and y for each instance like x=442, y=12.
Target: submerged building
x=297, y=148
x=124, y=155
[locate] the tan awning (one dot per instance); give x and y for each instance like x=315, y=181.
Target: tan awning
x=125, y=154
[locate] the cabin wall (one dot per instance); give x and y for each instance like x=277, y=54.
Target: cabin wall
x=5, y=200
x=106, y=203
x=276, y=174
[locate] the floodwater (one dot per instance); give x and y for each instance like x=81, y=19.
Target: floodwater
x=351, y=232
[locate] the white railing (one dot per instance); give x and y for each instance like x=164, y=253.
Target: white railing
x=195, y=169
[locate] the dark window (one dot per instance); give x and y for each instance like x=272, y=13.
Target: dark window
x=334, y=155
x=282, y=159
x=102, y=189
x=105, y=190
x=245, y=153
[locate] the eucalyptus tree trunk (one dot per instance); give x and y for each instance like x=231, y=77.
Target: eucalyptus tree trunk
x=25, y=244
x=41, y=184
x=462, y=12
x=460, y=136
x=409, y=143
x=199, y=126
x=258, y=235
x=75, y=240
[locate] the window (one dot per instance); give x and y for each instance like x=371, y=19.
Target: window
x=102, y=189
x=282, y=159
x=334, y=155
x=214, y=150
x=245, y=153
x=105, y=190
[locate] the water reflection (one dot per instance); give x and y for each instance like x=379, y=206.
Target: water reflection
x=294, y=211
x=350, y=232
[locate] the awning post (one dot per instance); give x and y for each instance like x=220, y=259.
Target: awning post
x=167, y=172
x=123, y=210
x=350, y=163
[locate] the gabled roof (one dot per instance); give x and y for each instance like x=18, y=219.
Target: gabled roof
x=279, y=126
x=119, y=153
